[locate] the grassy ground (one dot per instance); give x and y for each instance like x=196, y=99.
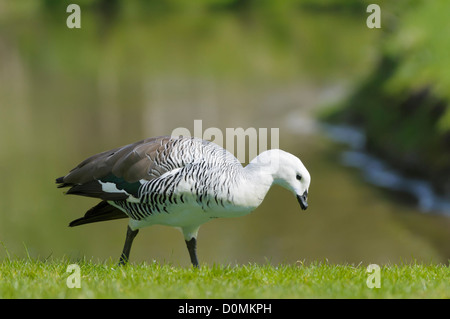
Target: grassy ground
x=39, y=279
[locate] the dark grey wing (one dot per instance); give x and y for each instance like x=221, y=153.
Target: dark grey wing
x=121, y=169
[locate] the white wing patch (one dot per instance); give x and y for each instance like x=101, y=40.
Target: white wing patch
x=109, y=187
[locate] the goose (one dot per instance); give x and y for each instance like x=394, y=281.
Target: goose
x=181, y=182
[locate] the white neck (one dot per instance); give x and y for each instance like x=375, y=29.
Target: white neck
x=256, y=180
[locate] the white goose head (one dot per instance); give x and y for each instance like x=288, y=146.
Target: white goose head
x=287, y=171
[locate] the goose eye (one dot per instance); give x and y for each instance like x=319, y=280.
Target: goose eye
x=299, y=177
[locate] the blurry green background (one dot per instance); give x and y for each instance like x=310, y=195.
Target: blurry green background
x=141, y=68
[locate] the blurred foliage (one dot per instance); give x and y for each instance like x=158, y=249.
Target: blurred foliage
x=273, y=38
x=404, y=104
x=423, y=49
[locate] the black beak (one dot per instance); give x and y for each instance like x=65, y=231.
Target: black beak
x=303, y=200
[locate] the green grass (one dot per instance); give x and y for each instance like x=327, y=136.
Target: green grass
x=27, y=278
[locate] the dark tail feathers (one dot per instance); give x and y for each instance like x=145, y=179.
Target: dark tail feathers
x=99, y=213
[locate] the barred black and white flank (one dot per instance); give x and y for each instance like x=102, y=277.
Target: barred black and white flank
x=180, y=182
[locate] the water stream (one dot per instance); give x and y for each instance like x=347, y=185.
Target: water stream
x=379, y=173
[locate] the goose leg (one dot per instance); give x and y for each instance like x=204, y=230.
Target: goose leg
x=131, y=234
x=192, y=248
